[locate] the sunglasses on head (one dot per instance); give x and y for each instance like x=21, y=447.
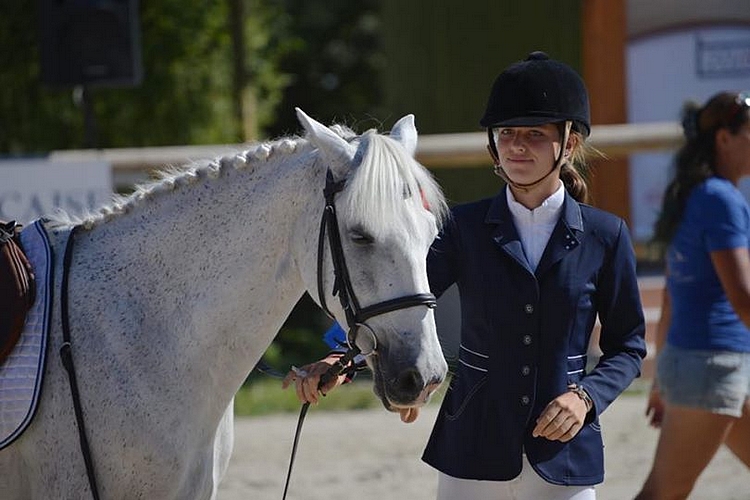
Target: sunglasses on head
x=741, y=103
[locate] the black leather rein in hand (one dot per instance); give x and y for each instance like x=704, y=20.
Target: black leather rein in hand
x=356, y=315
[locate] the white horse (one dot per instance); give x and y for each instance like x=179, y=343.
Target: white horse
x=177, y=290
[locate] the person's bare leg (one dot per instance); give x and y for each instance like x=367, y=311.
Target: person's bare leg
x=688, y=440
x=738, y=439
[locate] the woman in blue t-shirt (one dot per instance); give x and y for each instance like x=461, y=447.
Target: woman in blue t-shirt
x=700, y=394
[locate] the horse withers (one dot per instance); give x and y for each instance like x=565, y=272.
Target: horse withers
x=176, y=291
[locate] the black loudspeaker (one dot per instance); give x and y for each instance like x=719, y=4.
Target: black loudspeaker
x=90, y=42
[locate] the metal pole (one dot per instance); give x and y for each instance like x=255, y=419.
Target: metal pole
x=83, y=99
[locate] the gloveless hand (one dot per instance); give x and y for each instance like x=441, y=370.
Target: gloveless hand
x=562, y=418
x=307, y=378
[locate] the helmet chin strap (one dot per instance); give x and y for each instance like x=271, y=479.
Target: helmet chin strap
x=526, y=187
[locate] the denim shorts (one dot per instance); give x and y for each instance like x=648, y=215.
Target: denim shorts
x=715, y=381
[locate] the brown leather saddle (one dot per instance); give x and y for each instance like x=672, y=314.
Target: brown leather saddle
x=16, y=287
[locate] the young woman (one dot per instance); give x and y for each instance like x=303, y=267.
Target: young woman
x=700, y=395
x=534, y=266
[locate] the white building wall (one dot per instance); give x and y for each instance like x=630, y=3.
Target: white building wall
x=663, y=71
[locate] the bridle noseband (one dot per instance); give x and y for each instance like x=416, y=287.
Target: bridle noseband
x=356, y=315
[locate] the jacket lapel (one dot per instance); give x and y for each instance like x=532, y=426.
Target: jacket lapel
x=505, y=236
x=565, y=237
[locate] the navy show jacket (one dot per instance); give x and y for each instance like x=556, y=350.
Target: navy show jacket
x=524, y=339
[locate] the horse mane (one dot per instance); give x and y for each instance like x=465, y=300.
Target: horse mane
x=171, y=178
x=385, y=174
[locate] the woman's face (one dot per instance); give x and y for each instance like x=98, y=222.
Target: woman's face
x=528, y=153
x=743, y=146
x=734, y=150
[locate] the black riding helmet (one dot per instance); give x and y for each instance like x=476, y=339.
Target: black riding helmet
x=532, y=92
x=536, y=91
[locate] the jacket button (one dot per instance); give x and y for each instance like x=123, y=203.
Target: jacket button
x=525, y=370
x=525, y=400
x=529, y=308
x=527, y=339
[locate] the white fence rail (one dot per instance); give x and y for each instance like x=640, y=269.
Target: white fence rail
x=434, y=151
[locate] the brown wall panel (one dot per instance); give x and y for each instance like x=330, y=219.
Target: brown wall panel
x=603, y=50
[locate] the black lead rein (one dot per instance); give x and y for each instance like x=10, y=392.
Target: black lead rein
x=333, y=371
x=67, y=359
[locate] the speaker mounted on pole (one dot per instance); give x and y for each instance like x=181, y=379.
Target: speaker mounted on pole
x=94, y=43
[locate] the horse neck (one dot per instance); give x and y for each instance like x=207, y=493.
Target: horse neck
x=211, y=263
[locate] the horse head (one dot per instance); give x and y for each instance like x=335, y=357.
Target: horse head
x=383, y=211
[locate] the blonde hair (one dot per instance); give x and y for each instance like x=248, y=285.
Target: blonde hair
x=574, y=171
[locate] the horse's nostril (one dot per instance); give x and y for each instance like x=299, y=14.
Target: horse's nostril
x=435, y=381
x=410, y=382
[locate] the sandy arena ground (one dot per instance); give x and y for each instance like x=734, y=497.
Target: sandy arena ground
x=371, y=455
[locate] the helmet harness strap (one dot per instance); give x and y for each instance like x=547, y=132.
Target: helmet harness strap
x=492, y=148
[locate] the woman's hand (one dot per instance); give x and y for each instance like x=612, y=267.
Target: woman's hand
x=562, y=418
x=307, y=378
x=655, y=407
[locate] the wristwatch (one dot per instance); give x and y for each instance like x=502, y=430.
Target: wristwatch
x=581, y=393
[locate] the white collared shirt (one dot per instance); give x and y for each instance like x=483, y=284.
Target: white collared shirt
x=536, y=226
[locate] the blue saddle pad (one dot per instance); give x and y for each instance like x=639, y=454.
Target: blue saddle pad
x=21, y=373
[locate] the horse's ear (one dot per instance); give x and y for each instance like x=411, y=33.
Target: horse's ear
x=337, y=151
x=405, y=132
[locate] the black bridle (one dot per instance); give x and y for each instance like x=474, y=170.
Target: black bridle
x=356, y=315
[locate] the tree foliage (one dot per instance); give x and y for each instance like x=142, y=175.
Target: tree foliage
x=335, y=67
x=186, y=94
x=321, y=55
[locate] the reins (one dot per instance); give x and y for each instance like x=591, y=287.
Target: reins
x=334, y=371
x=356, y=316
x=66, y=355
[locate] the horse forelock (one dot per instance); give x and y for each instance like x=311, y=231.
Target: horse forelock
x=387, y=176
x=172, y=178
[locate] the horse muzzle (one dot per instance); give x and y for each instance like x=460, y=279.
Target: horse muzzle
x=407, y=388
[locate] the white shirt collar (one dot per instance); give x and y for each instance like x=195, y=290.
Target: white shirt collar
x=547, y=212
x=535, y=226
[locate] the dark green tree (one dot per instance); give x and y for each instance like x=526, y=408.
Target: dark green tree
x=334, y=65
x=321, y=55
x=187, y=92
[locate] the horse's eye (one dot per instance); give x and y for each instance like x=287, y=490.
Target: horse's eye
x=361, y=238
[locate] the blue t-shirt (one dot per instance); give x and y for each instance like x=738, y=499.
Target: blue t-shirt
x=716, y=217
